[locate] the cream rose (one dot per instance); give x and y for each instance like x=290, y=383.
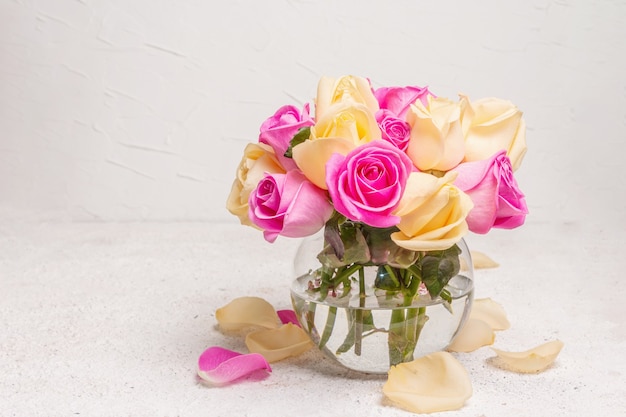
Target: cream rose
x=258, y=159
x=490, y=125
x=347, y=88
x=342, y=128
x=437, y=141
x=432, y=213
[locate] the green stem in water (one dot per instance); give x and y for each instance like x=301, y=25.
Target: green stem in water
x=359, y=314
x=416, y=318
x=396, y=336
x=310, y=316
x=328, y=327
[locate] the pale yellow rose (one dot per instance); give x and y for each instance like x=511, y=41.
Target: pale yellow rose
x=437, y=141
x=257, y=160
x=347, y=88
x=345, y=126
x=491, y=125
x=432, y=213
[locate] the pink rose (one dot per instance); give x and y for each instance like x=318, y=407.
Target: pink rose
x=367, y=184
x=288, y=205
x=399, y=99
x=498, y=202
x=278, y=130
x=394, y=130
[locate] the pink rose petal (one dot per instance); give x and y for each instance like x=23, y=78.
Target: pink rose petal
x=288, y=316
x=220, y=366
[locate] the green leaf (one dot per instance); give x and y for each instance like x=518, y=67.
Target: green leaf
x=303, y=134
x=332, y=235
x=355, y=249
x=438, y=267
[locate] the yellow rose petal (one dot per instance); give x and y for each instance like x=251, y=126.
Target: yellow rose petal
x=436, y=382
x=480, y=260
x=247, y=312
x=276, y=344
x=474, y=335
x=347, y=88
x=311, y=157
x=534, y=360
x=490, y=312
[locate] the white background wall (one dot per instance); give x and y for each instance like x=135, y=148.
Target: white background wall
x=140, y=109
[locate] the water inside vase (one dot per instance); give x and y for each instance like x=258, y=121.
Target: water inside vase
x=335, y=325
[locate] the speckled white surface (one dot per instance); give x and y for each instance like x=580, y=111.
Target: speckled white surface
x=108, y=319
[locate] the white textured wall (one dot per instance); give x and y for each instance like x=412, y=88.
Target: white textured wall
x=139, y=109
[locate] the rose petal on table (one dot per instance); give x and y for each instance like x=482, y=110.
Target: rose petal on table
x=245, y=312
x=220, y=366
x=276, y=344
x=436, y=382
x=288, y=316
x=474, y=334
x=533, y=360
x=482, y=261
x=490, y=312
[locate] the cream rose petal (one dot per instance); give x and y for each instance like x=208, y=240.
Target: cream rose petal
x=276, y=344
x=436, y=382
x=490, y=312
x=482, y=261
x=346, y=88
x=474, y=335
x=530, y=361
x=258, y=160
x=311, y=157
x=245, y=312
x=491, y=124
x=432, y=213
x=437, y=140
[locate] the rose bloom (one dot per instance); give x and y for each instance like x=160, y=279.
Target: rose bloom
x=393, y=129
x=398, y=99
x=347, y=88
x=498, y=201
x=257, y=160
x=278, y=130
x=437, y=141
x=343, y=127
x=432, y=213
x=490, y=125
x=288, y=205
x=367, y=184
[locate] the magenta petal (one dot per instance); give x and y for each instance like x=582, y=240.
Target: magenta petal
x=220, y=366
x=288, y=316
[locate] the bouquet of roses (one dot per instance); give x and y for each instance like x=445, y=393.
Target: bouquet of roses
x=395, y=176
x=393, y=157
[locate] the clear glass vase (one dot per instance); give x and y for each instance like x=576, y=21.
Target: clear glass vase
x=368, y=329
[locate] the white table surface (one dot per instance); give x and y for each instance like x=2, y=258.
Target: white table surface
x=108, y=319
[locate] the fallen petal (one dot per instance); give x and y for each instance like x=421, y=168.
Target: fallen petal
x=288, y=316
x=436, y=382
x=245, y=312
x=276, y=344
x=220, y=366
x=534, y=360
x=474, y=334
x=481, y=261
x=490, y=312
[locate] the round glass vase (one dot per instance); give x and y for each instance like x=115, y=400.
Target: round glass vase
x=368, y=329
